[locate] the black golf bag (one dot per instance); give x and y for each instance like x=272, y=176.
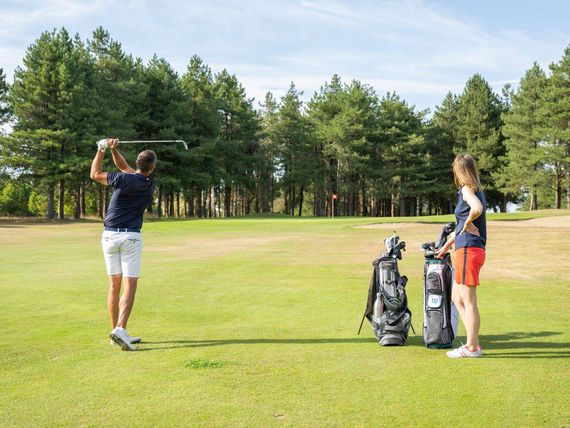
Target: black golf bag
x=387, y=304
x=440, y=314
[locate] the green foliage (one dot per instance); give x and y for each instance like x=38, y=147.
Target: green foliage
x=556, y=118
x=479, y=134
x=37, y=203
x=238, y=137
x=523, y=131
x=380, y=156
x=14, y=198
x=441, y=139
x=5, y=108
x=291, y=133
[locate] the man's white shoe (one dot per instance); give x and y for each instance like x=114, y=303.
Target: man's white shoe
x=131, y=339
x=120, y=337
x=134, y=339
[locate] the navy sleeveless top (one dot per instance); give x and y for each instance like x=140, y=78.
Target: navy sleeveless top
x=461, y=212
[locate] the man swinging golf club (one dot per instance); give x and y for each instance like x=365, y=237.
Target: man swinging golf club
x=122, y=240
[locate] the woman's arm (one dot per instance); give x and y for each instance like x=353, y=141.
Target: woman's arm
x=476, y=209
x=443, y=250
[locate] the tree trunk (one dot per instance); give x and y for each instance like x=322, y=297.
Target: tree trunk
x=177, y=204
x=77, y=202
x=301, y=195
x=105, y=200
x=533, y=201
x=61, y=201
x=227, y=201
x=159, y=204
x=558, y=192
x=568, y=190
x=199, y=204
x=50, y=212
x=99, y=201
x=83, y=204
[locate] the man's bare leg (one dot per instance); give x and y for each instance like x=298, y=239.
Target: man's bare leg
x=127, y=301
x=113, y=298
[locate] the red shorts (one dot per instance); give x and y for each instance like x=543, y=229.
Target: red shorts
x=468, y=263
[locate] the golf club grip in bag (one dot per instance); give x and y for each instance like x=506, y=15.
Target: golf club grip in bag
x=387, y=304
x=440, y=314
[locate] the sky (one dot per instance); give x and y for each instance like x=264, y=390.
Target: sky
x=421, y=49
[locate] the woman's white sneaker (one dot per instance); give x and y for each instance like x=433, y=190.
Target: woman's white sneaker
x=464, y=352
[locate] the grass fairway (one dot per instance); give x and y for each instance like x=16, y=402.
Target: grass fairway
x=252, y=322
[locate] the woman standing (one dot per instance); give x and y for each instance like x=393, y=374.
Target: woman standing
x=470, y=239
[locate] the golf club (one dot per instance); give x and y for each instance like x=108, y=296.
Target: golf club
x=154, y=141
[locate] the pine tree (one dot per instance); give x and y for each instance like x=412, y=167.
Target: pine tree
x=323, y=109
x=400, y=128
x=203, y=168
x=268, y=157
x=523, y=131
x=166, y=118
x=238, y=142
x=556, y=116
x=479, y=134
x=50, y=98
x=441, y=137
x=292, y=138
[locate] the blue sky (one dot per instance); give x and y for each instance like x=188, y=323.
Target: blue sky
x=420, y=49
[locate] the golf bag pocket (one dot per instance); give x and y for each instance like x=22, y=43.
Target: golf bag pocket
x=438, y=311
x=392, y=330
x=433, y=282
x=433, y=327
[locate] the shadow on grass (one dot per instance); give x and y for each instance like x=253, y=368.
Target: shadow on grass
x=173, y=344
x=528, y=349
x=508, y=341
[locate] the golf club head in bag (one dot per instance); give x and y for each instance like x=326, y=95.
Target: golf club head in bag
x=446, y=230
x=430, y=249
x=394, y=247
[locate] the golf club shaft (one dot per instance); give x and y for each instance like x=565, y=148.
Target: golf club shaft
x=149, y=141
x=154, y=141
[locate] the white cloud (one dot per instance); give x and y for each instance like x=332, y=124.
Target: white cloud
x=418, y=48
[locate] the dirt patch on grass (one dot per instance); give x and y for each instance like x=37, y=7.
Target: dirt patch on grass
x=390, y=226
x=204, y=248
x=555, y=222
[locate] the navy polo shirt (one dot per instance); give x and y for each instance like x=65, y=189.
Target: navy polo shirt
x=132, y=194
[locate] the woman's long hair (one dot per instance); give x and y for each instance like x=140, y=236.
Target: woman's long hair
x=465, y=172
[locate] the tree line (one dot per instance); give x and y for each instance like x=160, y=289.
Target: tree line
x=378, y=155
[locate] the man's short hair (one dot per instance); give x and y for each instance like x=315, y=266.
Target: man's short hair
x=145, y=161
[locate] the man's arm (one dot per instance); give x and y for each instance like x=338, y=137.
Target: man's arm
x=96, y=168
x=118, y=158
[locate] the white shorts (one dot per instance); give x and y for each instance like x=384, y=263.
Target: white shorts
x=122, y=251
